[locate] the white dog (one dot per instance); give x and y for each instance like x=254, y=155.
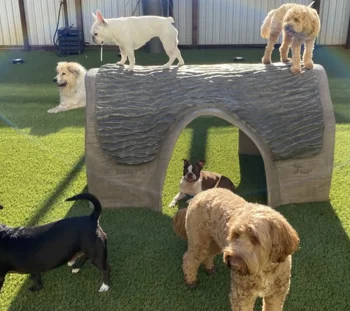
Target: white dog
x=71, y=82
x=131, y=33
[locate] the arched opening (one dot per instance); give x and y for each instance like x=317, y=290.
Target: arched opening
x=227, y=146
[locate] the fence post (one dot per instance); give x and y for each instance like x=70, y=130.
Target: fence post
x=79, y=16
x=22, y=13
x=194, y=23
x=65, y=10
x=171, y=8
x=317, y=6
x=347, y=44
x=157, y=8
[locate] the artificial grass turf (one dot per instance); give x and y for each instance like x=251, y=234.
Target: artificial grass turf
x=42, y=163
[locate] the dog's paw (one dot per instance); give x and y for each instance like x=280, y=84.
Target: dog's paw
x=286, y=60
x=172, y=204
x=309, y=65
x=295, y=69
x=266, y=61
x=120, y=63
x=130, y=69
x=104, y=287
x=210, y=271
x=53, y=110
x=181, y=64
x=166, y=66
x=75, y=271
x=192, y=285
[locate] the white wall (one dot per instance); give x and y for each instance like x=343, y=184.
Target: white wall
x=220, y=21
x=234, y=22
x=10, y=23
x=109, y=9
x=334, y=16
x=41, y=20
x=183, y=20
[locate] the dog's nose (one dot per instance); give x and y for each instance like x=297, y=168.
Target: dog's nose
x=55, y=80
x=190, y=175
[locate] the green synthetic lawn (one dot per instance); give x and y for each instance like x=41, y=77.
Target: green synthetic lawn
x=42, y=163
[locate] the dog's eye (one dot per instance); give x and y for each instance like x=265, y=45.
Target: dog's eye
x=296, y=20
x=95, y=34
x=63, y=73
x=253, y=238
x=235, y=235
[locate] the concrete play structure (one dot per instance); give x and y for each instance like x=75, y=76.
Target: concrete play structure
x=133, y=121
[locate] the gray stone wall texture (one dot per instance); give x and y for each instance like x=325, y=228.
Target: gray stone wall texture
x=133, y=121
x=134, y=111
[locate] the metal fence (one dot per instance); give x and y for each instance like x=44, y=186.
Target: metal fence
x=220, y=22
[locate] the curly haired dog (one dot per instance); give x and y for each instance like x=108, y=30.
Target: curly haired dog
x=179, y=223
x=256, y=242
x=298, y=23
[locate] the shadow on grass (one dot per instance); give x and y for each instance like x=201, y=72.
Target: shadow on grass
x=320, y=267
x=61, y=186
x=252, y=186
x=200, y=127
x=343, y=116
x=34, y=116
x=146, y=260
x=145, y=257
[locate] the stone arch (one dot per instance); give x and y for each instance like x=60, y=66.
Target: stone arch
x=174, y=132
x=133, y=122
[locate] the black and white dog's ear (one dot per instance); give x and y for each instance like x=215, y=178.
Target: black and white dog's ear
x=186, y=162
x=201, y=163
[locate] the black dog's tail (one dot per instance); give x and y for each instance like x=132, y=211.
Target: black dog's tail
x=90, y=197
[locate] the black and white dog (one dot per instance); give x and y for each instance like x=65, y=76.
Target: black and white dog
x=194, y=180
x=33, y=250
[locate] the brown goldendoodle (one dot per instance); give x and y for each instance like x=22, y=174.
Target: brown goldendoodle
x=299, y=24
x=256, y=242
x=179, y=223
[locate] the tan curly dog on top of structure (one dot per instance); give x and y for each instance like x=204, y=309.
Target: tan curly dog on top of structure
x=256, y=242
x=299, y=23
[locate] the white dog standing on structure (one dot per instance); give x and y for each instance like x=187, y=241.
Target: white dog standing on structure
x=70, y=80
x=131, y=33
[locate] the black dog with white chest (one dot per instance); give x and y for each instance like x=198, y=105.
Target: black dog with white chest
x=34, y=250
x=194, y=180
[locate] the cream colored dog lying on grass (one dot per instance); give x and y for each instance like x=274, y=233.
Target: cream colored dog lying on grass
x=299, y=24
x=70, y=80
x=131, y=33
